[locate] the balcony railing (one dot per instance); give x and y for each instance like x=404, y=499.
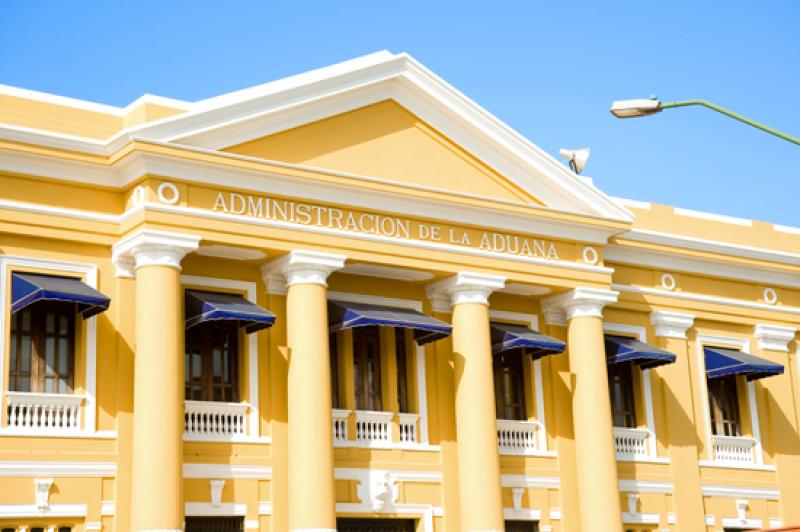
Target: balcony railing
x=44, y=412
x=215, y=420
x=340, y=425
x=733, y=449
x=518, y=437
x=631, y=444
x=373, y=427
x=369, y=428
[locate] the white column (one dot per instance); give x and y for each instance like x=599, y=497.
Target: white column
x=312, y=497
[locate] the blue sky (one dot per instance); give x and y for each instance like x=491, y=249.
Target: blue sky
x=549, y=69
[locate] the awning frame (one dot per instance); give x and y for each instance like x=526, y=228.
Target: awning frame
x=224, y=306
x=426, y=328
x=28, y=288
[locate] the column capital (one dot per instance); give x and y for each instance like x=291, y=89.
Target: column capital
x=466, y=287
x=670, y=324
x=151, y=248
x=577, y=303
x=302, y=267
x=774, y=337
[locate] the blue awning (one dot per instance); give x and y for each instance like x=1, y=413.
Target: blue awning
x=205, y=307
x=30, y=288
x=626, y=349
x=506, y=337
x=721, y=362
x=344, y=315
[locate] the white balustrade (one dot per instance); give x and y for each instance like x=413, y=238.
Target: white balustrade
x=631, y=443
x=340, y=425
x=733, y=449
x=215, y=420
x=518, y=437
x=408, y=427
x=374, y=427
x=44, y=412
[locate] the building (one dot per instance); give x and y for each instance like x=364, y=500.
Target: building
x=354, y=294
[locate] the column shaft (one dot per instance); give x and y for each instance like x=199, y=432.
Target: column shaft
x=478, y=461
x=312, y=502
x=157, y=488
x=595, y=456
x=679, y=389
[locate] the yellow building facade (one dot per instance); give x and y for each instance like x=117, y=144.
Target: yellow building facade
x=354, y=300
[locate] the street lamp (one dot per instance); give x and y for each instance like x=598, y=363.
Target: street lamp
x=647, y=107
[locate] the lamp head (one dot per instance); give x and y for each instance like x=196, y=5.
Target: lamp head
x=576, y=158
x=634, y=108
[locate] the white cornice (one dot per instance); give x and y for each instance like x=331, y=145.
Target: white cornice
x=689, y=296
x=231, y=119
x=677, y=261
x=132, y=167
x=736, y=492
x=711, y=246
x=221, y=471
x=9, y=468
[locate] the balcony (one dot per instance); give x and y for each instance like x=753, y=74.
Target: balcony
x=733, y=449
x=631, y=444
x=519, y=437
x=211, y=420
x=374, y=429
x=44, y=413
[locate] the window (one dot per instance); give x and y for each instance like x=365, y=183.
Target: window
x=509, y=386
x=620, y=389
x=367, y=368
x=522, y=526
x=402, y=370
x=724, y=406
x=212, y=360
x=42, y=348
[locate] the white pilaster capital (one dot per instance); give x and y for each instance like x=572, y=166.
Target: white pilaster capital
x=302, y=267
x=774, y=337
x=440, y=302
x=151, y=248
x=671, y=324
x=579, y=302
x=466, y=287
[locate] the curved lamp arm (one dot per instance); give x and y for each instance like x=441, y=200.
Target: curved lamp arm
x=646, y=107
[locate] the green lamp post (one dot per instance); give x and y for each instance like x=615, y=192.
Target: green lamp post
x=646, y=107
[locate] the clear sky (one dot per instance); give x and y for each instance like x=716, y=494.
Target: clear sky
x=548, y=69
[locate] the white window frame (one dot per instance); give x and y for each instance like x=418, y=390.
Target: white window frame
x=422, y=392
x=647, y=388
x=88, y=273
x=743, y=345
x=532, y=322
x=248, y=288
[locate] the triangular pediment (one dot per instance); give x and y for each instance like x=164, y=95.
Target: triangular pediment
x=386, y=141
x=386, y=116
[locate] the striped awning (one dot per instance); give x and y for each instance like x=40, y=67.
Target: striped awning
x=721, y=362
x=507, y=338
x=626, y=349
x=30, y=288
x=206, y=307
x=345, y=315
